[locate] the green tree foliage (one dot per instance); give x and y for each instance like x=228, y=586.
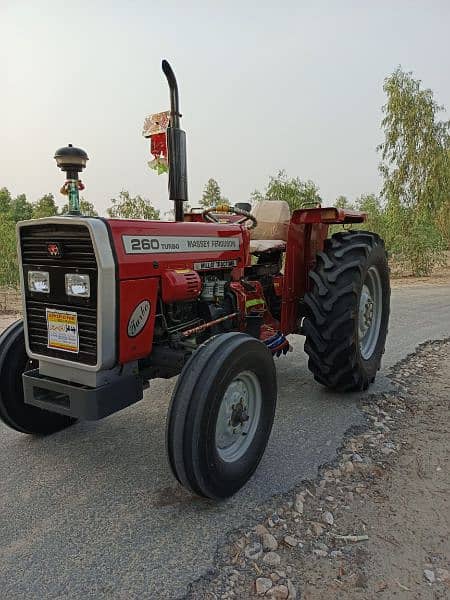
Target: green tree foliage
x=5, y=201
x=21, y=209
x=415, y=151
x=443, y=222
x=87, y=208
x=212, y=195
x=342, y=202
x=415, y=165
x=377, y=220
x=44, y=207
x=372, y=205
x=297, y=193
x=9, y=274
x=14, y=209
x=126, y=207
x=170, y=214
x=11, y=211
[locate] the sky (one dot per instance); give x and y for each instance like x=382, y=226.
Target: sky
x=294, y=85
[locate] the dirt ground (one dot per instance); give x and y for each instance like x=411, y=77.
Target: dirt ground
x=405, y=510
x=376, y=523
x=5, y=320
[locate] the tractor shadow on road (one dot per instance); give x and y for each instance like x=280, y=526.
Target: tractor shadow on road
x=124, y=455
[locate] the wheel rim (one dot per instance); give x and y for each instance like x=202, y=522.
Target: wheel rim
x=238, y=416
x=370, y=310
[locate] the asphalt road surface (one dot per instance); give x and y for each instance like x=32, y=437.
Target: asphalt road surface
x=94, y=512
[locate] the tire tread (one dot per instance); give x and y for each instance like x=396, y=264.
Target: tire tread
x=332, y=318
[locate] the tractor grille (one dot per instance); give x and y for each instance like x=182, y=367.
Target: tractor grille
x=75, y=241
x=77, y=256
x=87, y=332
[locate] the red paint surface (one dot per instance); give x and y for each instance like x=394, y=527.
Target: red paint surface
x=152, y=265
x=140, y=274
x=304, y=241
x=131, y=293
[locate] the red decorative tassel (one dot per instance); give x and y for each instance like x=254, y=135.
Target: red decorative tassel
x=158, y=145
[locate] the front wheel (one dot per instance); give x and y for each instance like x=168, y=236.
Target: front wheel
x=13, y=410
x=348, y=308
x=221, y=415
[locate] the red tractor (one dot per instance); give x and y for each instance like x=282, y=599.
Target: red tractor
x=111, y=304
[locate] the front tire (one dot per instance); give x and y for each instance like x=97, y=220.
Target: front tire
x=221, y=415
x=348, y=311
x=13, y=410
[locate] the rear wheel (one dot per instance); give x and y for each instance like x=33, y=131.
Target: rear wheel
x=348, y=311
x=221, y=415
x=13, y=410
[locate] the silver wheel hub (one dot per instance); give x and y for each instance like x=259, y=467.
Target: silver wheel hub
x=365, y=310
x=369, y=313
x=238, y=416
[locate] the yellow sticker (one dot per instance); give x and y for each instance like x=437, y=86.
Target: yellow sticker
x=62, y=330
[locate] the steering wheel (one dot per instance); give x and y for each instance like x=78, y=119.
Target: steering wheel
x=231, y=210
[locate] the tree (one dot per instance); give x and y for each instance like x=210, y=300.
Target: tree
x=87, y=208
x=14, y=209
x=212, y=195
x=5, y=201
x=44, y=207
x=342, y=202
x=297, y=193
x=21, y=209
x=377, y=220
x=415, y=158
x=170, y=214
x=126, y=207
x=415, y=169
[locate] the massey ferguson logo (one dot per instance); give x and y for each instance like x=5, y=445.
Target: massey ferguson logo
x=54, y=250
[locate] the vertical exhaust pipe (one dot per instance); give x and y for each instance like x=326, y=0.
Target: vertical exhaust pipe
x=176, y=148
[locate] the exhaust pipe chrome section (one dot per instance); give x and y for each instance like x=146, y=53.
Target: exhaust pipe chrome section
x=176, y=146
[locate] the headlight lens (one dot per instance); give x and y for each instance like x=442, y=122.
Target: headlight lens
x=78, y=285
x=39, y=281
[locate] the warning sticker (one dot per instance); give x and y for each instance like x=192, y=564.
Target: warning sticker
x=62, y=330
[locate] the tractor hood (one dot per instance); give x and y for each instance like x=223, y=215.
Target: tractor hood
x=148, y=248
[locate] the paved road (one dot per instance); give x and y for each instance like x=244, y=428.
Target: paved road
x=94, y=511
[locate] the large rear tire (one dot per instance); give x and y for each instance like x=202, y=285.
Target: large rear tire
x=348, y=306
x=221, y=415
x=13, y=410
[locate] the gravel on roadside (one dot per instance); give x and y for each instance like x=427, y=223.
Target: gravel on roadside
x=375, y=523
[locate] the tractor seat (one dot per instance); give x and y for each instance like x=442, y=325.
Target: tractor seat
x=257, y=246
x=271, y=232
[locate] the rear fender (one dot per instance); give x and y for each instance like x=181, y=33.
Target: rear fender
x=328, y=215
x=308, y=230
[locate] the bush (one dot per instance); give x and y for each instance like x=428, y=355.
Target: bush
x=414, y=240
x=443, y=222
x=413, y=237
x=9, y=271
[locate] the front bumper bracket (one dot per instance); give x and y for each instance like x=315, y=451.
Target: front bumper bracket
x=79, y=401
